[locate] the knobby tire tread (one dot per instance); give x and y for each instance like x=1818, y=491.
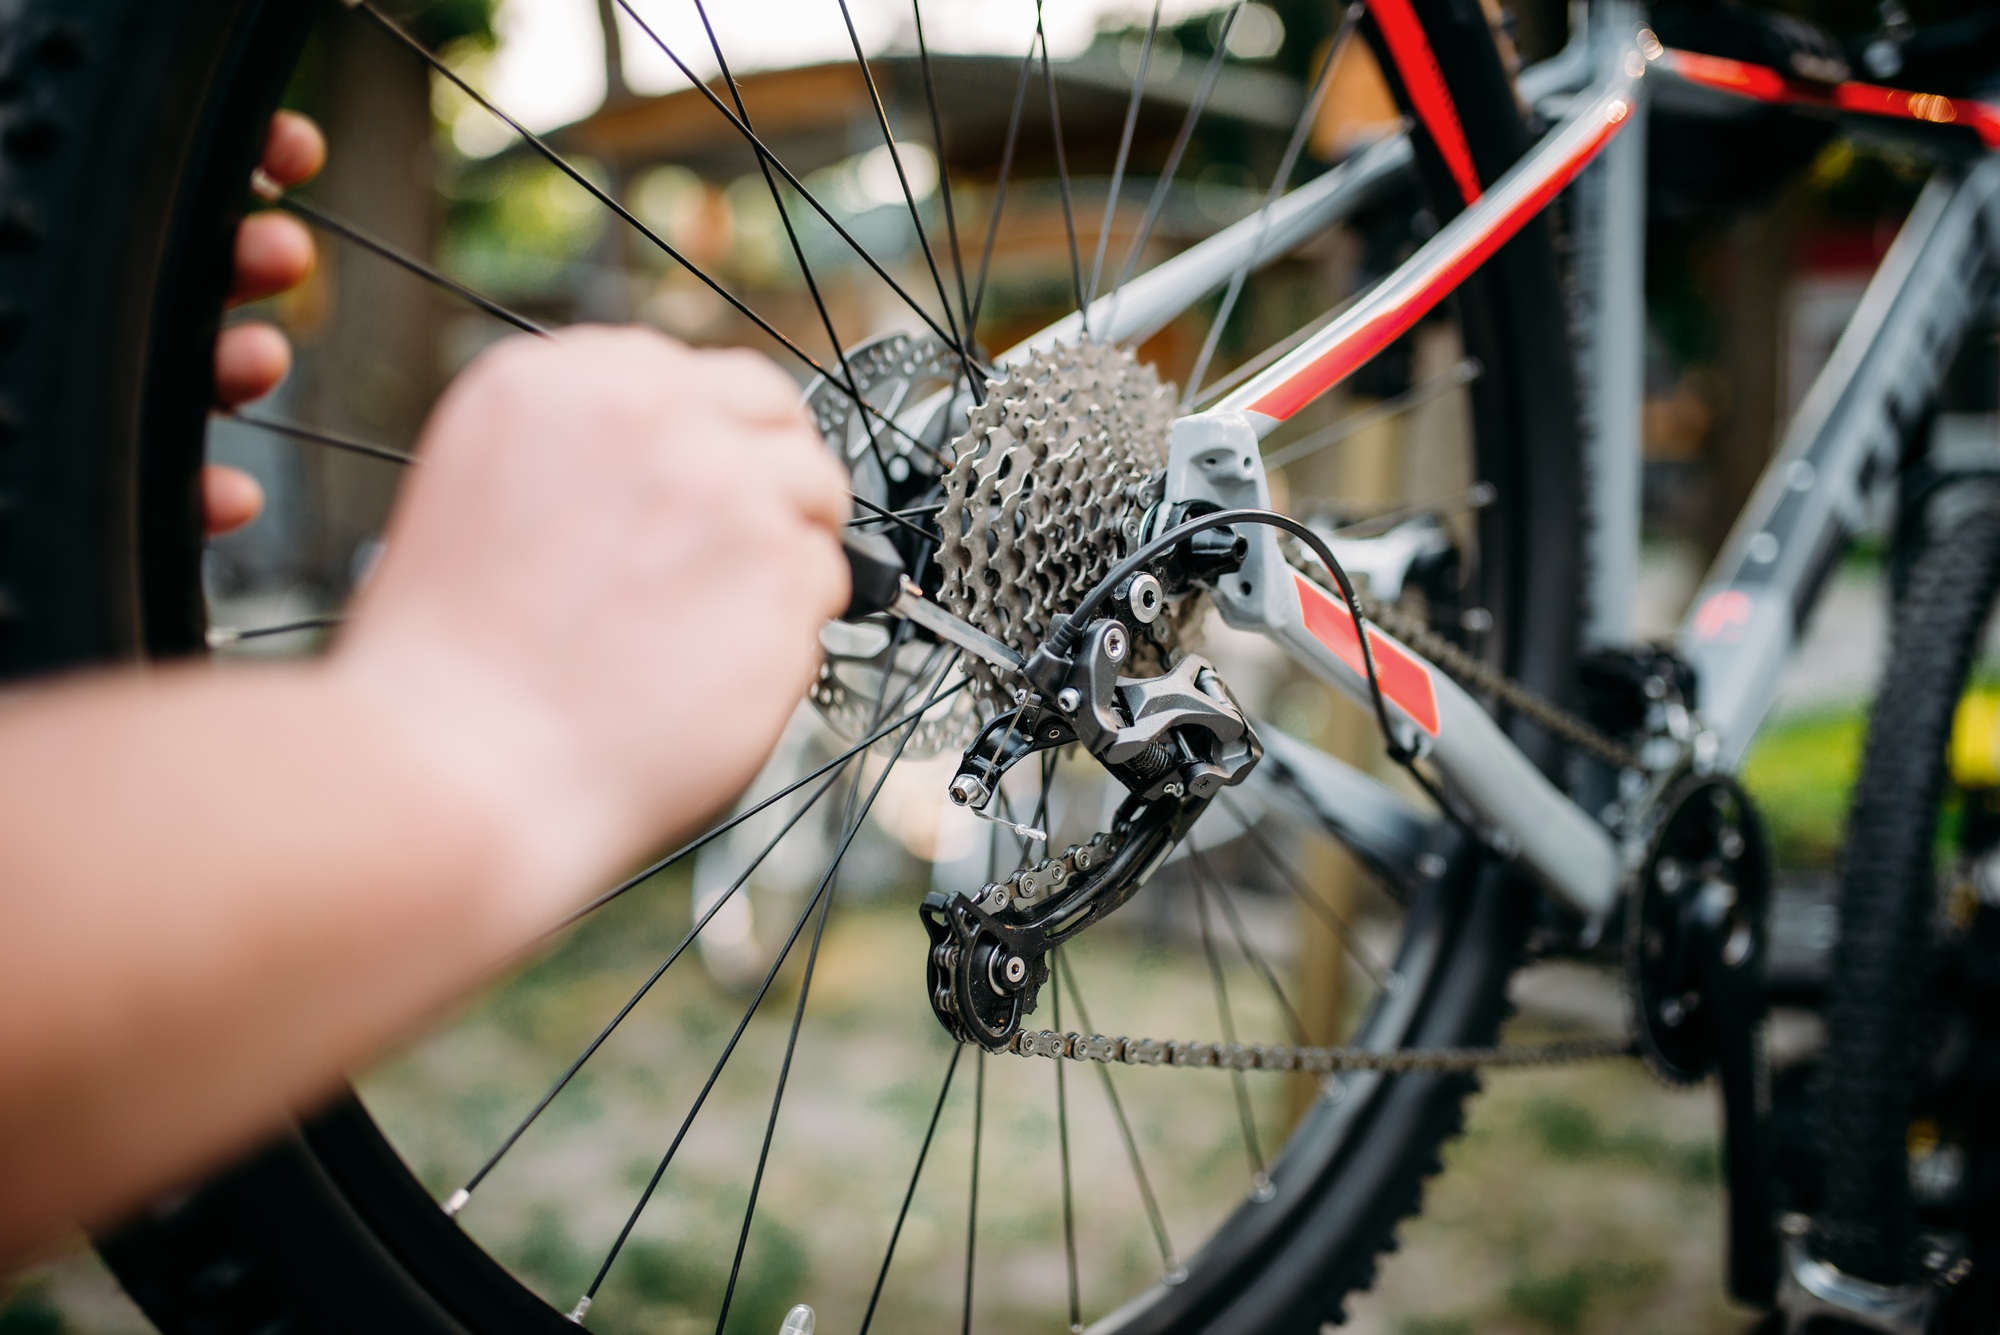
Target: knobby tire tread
x=1880, y=997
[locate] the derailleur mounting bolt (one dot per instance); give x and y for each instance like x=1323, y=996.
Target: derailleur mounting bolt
x=1145, y=597
x=967, y=791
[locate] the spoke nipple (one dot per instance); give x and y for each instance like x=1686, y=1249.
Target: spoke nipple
x=581, y=1309
x=798, y=1321
x=1262, y=1188
x=265, y=187
x=456, y=1202
x=219, y=638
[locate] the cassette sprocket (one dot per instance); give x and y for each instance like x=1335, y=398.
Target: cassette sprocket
x=1044, y=495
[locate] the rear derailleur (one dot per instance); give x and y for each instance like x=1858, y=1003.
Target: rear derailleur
x=1174, y=741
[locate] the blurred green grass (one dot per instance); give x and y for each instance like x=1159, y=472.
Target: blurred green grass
x=1800, y=772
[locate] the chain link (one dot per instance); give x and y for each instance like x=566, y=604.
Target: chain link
x=1312, y=1060
x=1479, y=676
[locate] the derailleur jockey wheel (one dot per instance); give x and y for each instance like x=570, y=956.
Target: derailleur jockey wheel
x=1704, y=890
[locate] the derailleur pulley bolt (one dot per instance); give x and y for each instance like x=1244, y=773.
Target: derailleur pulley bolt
x=967, y=791
x=1015, y=970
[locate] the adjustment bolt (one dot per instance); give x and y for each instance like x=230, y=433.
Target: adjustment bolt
x=1114, y=643
x=1146, y=597
x=1068, y=699
x=967, y=791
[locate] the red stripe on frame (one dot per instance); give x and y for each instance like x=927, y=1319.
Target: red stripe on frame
x=1430, y=95
x=1341, y=360
x=1405, y=681
x=1762, y=84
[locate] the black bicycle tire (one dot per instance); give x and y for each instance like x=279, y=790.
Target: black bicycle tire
x=324, y=1230
x=1878, y=998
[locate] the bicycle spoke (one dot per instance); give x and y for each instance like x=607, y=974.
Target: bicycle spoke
x=909, y=195
x=882, y=516
x=791, y=234
x=852, y=822
x=1284, y=345
x=665, y=247
x=1000, y=186
x=1062, y=170
x=1124, y=153
x=1374, y=523
x=1168, y=1265
x=320, y=218
x=695, y=845
x=1287, y=161
x=944, y=174
x=1062, y=1139
x=326, y=438
x=1251, y=955
x=764, y=153
x=923, y=1152
x=972, y=1203
x=881, y=513
x=818, y=901
x=1463, y=372
x=1244, y=1116
x=1157, y=203
x=460, y=1197
x=778, y=1094
x=1378, y=974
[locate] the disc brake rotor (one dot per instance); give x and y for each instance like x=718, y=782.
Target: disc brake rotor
x=895, y=456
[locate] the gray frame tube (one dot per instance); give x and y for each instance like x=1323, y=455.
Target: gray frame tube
x=1846, y=439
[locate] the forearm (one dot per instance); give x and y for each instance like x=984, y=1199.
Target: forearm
x=216, y=890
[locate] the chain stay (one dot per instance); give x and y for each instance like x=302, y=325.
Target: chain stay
x=1312, y=1060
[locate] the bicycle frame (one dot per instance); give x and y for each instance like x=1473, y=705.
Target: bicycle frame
x=1847, y=436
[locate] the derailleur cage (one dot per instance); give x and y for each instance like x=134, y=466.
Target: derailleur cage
x=1174, y=741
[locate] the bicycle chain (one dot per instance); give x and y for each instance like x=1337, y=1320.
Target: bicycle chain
x=1031, y=885
x=1312, y=1060
x=1479, y=676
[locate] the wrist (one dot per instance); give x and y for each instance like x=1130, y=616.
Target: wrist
x=492, y=749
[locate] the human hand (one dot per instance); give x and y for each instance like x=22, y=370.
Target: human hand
x=274, y=253
x=601, y=590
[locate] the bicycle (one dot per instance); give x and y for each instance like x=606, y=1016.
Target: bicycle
x=1036, y=523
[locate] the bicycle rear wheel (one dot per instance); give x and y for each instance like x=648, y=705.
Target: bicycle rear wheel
x=121, y=219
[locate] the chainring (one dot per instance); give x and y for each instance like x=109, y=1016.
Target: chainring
x=1708, y=840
